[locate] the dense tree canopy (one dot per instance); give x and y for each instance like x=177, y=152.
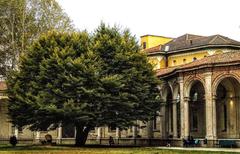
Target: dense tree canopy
x=22, y=21
x=88, y=81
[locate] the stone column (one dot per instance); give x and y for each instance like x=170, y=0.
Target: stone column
x=150, y=129
x=186, y=117
x=16, y=132
x=99, y=133
x=37, y=135
x=141, y=131
x=214, y=117
x=134, y=129
x=118, y=133
x=59, y=138
x=182, y=106
x=210, y=108
x=175, y=119
x=163, y=120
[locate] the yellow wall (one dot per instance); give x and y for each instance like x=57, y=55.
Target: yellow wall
x=152, y=41
x=179, y=58
x=158, y=62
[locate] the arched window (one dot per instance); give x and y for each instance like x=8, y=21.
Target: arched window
x=195, y=97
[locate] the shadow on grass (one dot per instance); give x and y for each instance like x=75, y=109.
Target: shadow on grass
x=94, y=149
x=8, y=147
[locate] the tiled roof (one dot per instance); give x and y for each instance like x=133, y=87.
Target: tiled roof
x=164, y=71
x=190, y=41
x=222, y=59
x=153, y=49
x=3, y=86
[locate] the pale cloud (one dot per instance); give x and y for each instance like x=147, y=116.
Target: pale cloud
x=170, y=18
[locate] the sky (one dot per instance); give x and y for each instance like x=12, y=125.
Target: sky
x=170, y=18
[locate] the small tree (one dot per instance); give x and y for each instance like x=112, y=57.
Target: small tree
x=86, y=81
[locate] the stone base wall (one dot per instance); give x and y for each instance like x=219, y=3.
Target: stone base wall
x=128, y=142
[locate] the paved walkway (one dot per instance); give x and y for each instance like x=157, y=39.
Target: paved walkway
x=237, y=150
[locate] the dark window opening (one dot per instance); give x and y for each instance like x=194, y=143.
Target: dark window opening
x=144, y=45
x=195, y=97
x=221, y=94
x=194, y=119
x=171, y=118
x=68, y=131
x=155, y=122
x=20, y=129
x=225, y=117
x=191, y=42
x=112, y=127
x=174, y=62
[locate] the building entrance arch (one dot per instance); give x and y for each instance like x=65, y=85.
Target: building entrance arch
x=227, y=108
x=197, y=110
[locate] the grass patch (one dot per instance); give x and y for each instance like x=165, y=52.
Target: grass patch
x=36, y=149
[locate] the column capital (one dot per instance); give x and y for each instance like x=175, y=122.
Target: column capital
x=163, y=104
x=186, y=99
x=214, y=97
x=175, y=101
x=180, y=79
x=208, y=74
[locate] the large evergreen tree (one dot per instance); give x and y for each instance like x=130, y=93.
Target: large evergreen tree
x=101, y=80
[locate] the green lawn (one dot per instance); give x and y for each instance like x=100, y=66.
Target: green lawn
x=6, y=149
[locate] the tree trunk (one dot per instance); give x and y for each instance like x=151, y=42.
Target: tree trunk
x=81, y=135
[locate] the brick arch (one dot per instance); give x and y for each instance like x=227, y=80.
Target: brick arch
x=220, y=77
x=165, y=87
x=176, y=90
x=189, y=83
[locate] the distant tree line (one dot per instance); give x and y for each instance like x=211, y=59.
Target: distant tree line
x=23, y=21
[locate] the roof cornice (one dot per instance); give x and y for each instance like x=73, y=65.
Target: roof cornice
x=193, y=48
x=202, y=66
